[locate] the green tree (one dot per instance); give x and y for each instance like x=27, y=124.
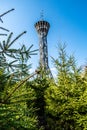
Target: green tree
x=65, y=107
x=15, y=113
x=15, y=60
x=40, y=85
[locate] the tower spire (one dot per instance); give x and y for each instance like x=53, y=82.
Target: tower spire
x=42, y=15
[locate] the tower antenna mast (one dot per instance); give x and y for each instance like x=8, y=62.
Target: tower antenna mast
x=42, y=15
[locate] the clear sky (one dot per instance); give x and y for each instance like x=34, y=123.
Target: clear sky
x=67, y=18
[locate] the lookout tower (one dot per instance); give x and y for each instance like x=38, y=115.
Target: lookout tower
x=42, y=28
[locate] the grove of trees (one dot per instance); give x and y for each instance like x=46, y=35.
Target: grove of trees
x=36, y=101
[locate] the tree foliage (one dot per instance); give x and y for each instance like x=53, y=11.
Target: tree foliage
x=66, y=104
x=40, y=103
x=15, y=113
x=15, y=60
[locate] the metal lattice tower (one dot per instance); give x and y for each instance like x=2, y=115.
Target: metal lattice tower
x=42, y=28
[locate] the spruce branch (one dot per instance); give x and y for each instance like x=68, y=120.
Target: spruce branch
x=21, y=83
x=17, y=38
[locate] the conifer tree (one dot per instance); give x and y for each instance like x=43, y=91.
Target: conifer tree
x=40, y=85
x=14, y=94
x=65, y=107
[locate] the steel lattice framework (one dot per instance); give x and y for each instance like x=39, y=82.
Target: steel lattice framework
x=42, y=28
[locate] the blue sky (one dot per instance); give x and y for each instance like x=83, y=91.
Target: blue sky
x=67, y=18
